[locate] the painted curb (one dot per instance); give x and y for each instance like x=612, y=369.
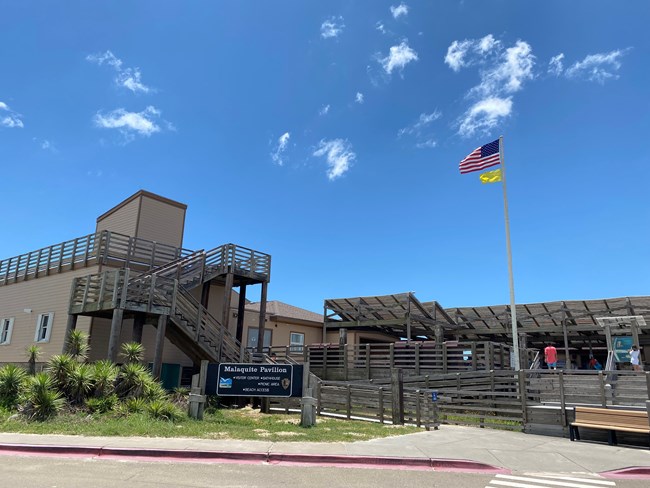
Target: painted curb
x=633, y=472
x=385, y=462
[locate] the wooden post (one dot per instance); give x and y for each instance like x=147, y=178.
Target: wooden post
x=381, y=404
x=562, y=401
x=160, y=342
x=368, y=364
x=345, y=361
x=391, y=355
x=567, y=357
x=348, y=401
x=444, y=358
x=524, y=396
x=241, y=310
x=647, y=384
x=227, y=297
x=417, y=359
x=397, y=389
x=262, y=321
x=418, y=409
x=325, y=361
x=603, y=396
x=116, y=329
x=138, y=326
x=474, y=362
x=71, y=325
x=203, y=378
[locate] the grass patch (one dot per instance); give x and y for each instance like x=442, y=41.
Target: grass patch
x=246, y=424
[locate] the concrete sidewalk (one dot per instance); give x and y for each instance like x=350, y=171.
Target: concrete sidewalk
x=451, y=447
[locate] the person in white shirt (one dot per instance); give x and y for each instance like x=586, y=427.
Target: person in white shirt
x=635, y=359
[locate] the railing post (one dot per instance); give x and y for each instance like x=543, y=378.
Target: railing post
x=417, y=359
x=381, y=404
x=391, y=355
x=107, y=243
x=474, y=362
x=102, y=290
x=444, y=358
x=368, y=362
x=319, y=396
x=38, y=262
x=397, y=389
x=562, y=400
x=418, y=409
x=198, y=323
x=174, y=295
x=523, y=394
x=325, y=361
x=603, y=397
x=345, y=361
x=349, y=401
x=74, y=254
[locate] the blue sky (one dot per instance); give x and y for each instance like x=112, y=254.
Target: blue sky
x=328, y=134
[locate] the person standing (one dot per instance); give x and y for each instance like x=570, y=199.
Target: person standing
x=550, y=356
x=635, y=358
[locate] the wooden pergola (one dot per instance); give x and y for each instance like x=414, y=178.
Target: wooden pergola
x=401, y=315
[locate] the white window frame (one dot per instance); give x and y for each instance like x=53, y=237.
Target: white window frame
x=296, y=347
x=6, y=329
x=39, y=327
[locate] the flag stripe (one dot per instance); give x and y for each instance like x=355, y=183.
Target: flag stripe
x=482, y=157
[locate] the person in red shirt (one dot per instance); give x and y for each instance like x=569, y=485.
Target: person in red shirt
x=550, y=356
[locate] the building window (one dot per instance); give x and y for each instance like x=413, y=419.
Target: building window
x=297, y=341
x=44, y=327
x=6, y=326
x=252, y=338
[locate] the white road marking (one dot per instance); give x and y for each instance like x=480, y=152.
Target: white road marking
x=547, y=481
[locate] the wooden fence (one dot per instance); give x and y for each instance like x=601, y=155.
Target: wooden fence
x=375, y=361
x=497, y=399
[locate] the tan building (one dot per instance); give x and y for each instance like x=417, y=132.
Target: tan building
x=132, y=280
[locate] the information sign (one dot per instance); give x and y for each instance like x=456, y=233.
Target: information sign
x=259, y=380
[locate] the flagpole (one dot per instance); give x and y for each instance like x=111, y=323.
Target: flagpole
x=513, y=306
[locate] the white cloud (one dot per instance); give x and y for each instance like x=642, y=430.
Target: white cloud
x=470, y=51
x=339, y=156
x=401, y=9
x=130, y=123
x=45, y=145
x=276, y=155
x=513, y=68
x=358, y=98
x=9, y=118
x=332, y=27
x=324, y=110
x=502, y=72
x=398, y=57
x=555, y=65
x=380, y=27
x=129, y=78
x=418, y=130
x=597, y=67
x=485, y=115
x=423, y=121
x=429, y=143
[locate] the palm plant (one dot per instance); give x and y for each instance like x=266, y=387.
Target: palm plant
x=33, y=353
x=79, y=382
x=132, y=380
x=132, y=352
x=104, y=376
x=12, y=383
x=77, y=345
x=41, y=401
x=59, y=367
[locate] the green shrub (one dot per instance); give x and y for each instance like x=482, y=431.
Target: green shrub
x=12, y=383
x=41, y=400
x=132, y=352
x=33, y=352
x=163, y=410
x=102, y=405
x=133, y=380
x=77, y=345
x=135, y=405
x=79, y=382
x=59, y=367
x=104, y=376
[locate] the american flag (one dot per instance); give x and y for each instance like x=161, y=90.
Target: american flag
x=481, y=158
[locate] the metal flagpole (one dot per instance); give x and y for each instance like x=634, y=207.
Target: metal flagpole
x=513, y=306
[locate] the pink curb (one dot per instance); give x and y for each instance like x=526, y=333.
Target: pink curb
x=633, y=472
x=179, y=455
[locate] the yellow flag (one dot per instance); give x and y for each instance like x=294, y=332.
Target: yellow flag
x=491, y=176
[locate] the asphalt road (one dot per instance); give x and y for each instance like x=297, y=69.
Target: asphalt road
x=57, y=472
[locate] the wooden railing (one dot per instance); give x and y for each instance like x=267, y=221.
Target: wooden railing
x=108, y=248
x=239, y=260
x=374, y=361
x=157, y=295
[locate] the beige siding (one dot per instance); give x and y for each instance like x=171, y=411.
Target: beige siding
x=124, y=220
x=161, y=222
x=41, y=295
x=100, y=335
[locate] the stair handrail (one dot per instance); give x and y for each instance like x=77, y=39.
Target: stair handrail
x=610, y=365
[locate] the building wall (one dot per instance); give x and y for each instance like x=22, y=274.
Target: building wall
x=160, y=222
x=100, y=333
x=40, y=295
x=124, y=220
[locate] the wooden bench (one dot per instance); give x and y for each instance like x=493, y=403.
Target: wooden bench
x=611, y=420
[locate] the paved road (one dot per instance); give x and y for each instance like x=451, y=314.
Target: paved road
x=57, y=472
